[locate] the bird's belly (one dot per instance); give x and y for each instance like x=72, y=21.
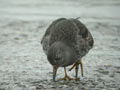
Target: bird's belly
x=70, y=63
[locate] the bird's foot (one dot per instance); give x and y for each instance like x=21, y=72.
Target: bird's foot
x=66, y=78
x=77, y=79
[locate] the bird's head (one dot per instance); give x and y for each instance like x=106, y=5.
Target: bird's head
x=59, y=54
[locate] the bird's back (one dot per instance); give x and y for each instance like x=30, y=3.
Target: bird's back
x=64, y=31
x=70, y=31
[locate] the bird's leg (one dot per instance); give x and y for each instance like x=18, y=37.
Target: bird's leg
x=66, y=77
x=76, y=72
x=81, y=65
x=73, y=66
x=54, y=72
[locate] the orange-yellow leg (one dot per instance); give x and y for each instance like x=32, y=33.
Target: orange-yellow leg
x=81, y=65
x=66, y=77
x=76, y=64
x=54, y=72
x=73, y=66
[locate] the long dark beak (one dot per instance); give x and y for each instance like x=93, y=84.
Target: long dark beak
x=54, y=72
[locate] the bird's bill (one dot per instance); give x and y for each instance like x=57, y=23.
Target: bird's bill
x=54, y=72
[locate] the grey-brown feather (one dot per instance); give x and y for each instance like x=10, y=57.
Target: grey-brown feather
x=70, y=31
x=46, y=38
x=84, y=38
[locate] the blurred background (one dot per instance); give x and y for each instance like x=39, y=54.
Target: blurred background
x=23, y=64
x=35, y=10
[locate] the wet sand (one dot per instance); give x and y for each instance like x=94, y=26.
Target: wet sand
x=23, y=64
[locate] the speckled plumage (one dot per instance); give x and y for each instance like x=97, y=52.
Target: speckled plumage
x=70, y=31
x=71, y=36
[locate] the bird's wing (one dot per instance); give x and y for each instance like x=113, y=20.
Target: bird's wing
x=47, y=35
x=84, y=38
x=51, y=28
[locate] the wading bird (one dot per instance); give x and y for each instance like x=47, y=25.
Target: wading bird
x=65, y=42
